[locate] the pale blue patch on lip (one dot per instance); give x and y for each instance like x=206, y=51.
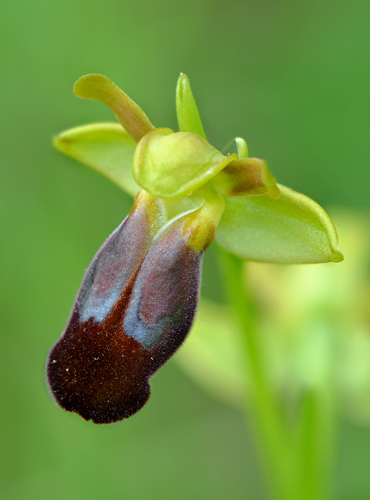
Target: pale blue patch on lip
x=146, y=335
x=108, y=274
x=99, y=306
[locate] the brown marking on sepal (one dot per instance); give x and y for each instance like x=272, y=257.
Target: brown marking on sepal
x=245, y=177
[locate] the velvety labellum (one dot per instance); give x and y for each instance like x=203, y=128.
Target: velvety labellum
x=136, y=305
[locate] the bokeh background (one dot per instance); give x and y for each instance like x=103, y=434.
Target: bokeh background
x=290, y=77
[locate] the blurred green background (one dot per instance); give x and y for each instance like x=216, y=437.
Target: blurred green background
x=292, y=78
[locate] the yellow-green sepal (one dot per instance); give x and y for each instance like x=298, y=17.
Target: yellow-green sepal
x=105, y=147
x=292, y=229
x=171, y=165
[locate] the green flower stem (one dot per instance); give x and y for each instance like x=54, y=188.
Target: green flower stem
x=315, y=431
x=294, y=456
x=315, y=436
x=261, y=402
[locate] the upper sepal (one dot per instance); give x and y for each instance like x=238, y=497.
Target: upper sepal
x=292, y=229
x=106, y=147
x=186, y=108
x=170, y=165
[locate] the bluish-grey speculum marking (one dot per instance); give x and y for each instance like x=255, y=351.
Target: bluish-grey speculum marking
x=98, y=306
x=116, y=262
x=146, y=335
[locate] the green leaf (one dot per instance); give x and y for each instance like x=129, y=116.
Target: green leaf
x=187, y=110
x=128, y=113
x=106, y=147
x=170, y=165
x=291, y=229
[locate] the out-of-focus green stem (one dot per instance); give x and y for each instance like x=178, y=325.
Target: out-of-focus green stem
x=315, y=420
x=296, y=451
x=314, y=441
x=262, y=404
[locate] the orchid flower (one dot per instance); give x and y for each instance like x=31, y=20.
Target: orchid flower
x=139, y=296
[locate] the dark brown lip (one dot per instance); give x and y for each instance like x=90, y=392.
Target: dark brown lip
x=134, y=309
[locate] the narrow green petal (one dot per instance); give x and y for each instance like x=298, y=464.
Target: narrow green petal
x=131, y=116
x=106, y=147
x=187, y=111
x=170, y=165
x=292, y=229
x=242, y=147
